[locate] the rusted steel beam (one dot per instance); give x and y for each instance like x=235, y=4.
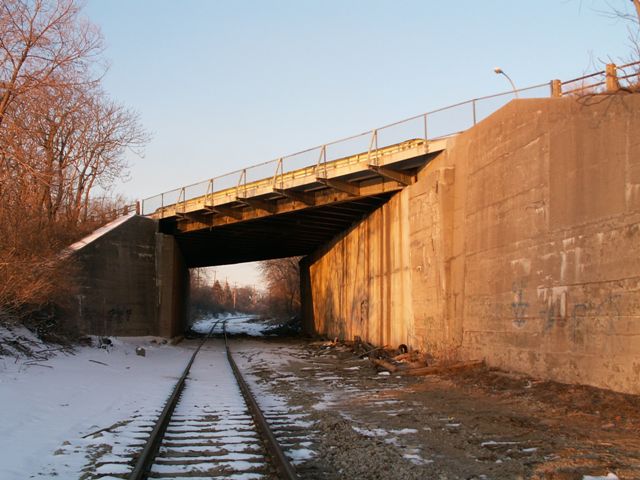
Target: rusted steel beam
x=193, y=217
x=227, y=212
x=342, y=186
x=307, y=198
x=259, y=204
x=391, y=174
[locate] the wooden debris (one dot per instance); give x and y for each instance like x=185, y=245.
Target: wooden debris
x=101, y=363
x=383, y=364
x=403, y=356
x=434, y=370
x=369, y=352
x=33, y=364
x=417, y=364
x=106, y=429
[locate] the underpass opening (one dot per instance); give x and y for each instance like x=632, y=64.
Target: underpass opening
x=273, y=241
x=297, y=213
x=254, y=298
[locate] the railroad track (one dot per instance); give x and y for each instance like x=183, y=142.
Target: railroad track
x=212, y=427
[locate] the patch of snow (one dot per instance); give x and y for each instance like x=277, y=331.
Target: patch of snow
x=330, y=378
x=608, y=476
x=416, y=459
x=238, y=465
x=46, y=412
x=376, y=432
x=404, y=431
x=236, y=324
x=299, y=454
x=494, y=443
x=114, y=469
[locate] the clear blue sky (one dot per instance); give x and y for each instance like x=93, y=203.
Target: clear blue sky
x=226, y=84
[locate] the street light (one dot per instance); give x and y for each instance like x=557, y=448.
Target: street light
x=499, y=71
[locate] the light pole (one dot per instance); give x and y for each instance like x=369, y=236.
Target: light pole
x=499, y=71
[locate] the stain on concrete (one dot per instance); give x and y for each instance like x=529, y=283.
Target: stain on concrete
x=528, y=257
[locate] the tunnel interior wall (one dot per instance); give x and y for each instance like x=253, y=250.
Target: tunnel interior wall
x=130, y=283
x=519, y=245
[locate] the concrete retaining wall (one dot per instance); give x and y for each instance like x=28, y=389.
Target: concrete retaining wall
x=519, y=245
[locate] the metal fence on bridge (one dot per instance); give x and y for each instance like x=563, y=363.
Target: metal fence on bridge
x=439, y=123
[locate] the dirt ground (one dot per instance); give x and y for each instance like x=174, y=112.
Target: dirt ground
x=477, y=424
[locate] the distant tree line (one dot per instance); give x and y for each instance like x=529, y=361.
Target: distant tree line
x=62, y=146
x=209, y=297
x=280, y=299
x=282, y=279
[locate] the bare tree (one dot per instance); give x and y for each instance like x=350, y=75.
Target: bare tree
x=631, y=17
x=61, y=139
x=282, y=277
x=43, y=44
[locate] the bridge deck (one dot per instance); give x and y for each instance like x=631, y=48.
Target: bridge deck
x=295, y=212
x=385, y=163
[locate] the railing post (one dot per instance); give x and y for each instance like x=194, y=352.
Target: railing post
x=322, y=160
x=209, y=194
x=473, y=106
x=138, y=210
x=612, y=78
x=275, y=176
x=162, y=205
x=426, y=137
x=556, y=88
x=374, y=141
x=243, y=177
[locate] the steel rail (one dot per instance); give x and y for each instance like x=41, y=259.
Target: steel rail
x=146, y=458
x=280, y=461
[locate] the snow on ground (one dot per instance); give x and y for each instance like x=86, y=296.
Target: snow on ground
x=50, y=407
x=237, y=324
x=46, y=408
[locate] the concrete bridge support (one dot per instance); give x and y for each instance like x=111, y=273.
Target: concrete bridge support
x=519, y=245
x=132, y=281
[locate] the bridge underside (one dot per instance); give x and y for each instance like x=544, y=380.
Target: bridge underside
x=298, y=232
x=294, y=215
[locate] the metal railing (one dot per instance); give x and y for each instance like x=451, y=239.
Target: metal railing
x=610, y=80
x=432, y=125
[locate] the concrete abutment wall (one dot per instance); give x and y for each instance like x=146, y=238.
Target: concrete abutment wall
x=132, y=281
x=519, y=245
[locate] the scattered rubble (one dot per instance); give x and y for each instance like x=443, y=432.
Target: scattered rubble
x=398, y=361
x=456, y=420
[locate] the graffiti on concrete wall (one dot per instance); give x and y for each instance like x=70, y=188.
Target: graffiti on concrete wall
x=559, y=313
x=519, y=306
x=554, y=311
